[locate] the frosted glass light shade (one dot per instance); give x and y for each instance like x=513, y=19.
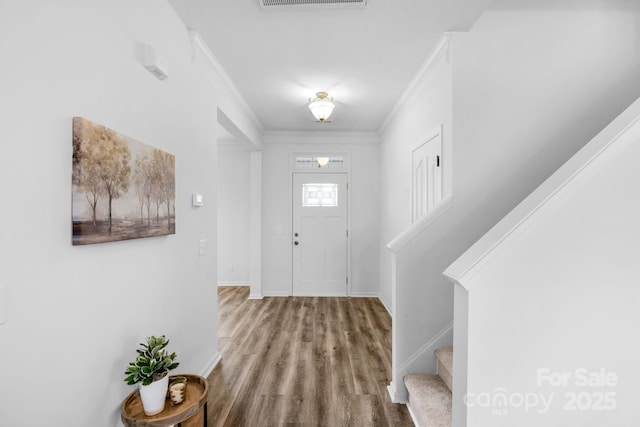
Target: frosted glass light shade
x=321, y=107
x=322, y=161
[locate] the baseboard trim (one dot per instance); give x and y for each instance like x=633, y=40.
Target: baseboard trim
x=385, y=305
x=234, y=284
x=413, y=416
x=211, y=365
x=353, y=295
x=321, y=295
x=394, y=395
x=276, y=294
x=427, y=348
x=365, y=294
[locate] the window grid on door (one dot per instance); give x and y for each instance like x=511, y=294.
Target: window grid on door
x=323, y=195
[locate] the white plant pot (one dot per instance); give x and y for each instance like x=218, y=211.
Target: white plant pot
x=154, y=396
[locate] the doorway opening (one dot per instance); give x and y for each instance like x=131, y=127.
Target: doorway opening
x=239, y=209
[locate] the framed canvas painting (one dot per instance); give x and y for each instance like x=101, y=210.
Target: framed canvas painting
x=122, y=188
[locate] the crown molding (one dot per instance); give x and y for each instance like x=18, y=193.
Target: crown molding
x=321, y=137
x=198, y=42
x=438, y=59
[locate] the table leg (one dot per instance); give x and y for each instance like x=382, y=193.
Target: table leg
x=198, y=419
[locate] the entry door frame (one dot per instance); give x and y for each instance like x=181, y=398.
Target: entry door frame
x=346, y=169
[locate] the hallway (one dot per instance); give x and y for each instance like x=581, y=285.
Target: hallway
x=302, y=361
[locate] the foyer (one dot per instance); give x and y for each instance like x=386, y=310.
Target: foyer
x=528, y=262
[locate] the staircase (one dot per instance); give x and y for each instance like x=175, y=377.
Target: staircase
x=430, y=394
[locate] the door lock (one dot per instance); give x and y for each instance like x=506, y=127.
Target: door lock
x=296, y=234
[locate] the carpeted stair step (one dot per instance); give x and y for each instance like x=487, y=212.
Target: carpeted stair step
x=429, y=400
x=444, y=365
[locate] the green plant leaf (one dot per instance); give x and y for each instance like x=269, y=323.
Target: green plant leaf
x=152, y=361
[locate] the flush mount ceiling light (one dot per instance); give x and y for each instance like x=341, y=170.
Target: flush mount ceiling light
x=321, y=106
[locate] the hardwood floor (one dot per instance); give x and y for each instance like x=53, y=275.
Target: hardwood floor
x=302, y=361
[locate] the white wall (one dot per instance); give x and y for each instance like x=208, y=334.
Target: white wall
x=531, y=83
x=74, y=315
x=553, y=296
x=233, y=217
x=424, y=110
x=525, y=77
x=364, y=191
x=534, y=81
x=410, y=277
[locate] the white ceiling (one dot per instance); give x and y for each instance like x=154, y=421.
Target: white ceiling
x=363, y=57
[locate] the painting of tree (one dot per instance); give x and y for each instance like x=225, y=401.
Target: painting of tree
x=116, y=182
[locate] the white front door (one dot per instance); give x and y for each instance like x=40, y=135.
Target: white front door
x=320, y=234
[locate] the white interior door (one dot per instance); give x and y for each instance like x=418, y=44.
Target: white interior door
x=320, y=234
x=427, y=177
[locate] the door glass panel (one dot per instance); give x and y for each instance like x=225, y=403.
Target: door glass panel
x=320, y=195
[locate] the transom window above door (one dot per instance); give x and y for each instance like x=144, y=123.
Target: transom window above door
x=319, y=162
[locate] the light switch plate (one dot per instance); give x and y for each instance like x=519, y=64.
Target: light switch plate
x=197, y=200
x=203, y=247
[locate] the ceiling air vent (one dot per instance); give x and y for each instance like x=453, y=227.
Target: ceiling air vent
x=270, y=4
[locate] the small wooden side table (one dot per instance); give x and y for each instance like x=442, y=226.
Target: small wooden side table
x=190, y=413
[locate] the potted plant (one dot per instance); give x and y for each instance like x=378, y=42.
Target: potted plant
x=151, y=369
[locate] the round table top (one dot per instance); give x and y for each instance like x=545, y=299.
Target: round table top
x=132, y=413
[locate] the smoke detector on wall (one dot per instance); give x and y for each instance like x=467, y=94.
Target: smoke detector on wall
x=276, y=4
x=154, y=62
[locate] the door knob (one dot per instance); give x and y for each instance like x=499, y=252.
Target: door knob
x=296, y=243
